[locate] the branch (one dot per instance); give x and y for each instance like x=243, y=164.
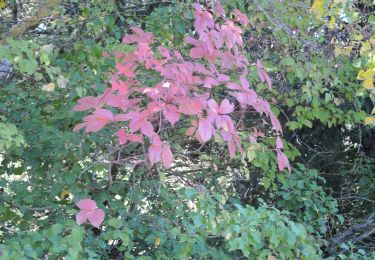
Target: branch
x=366, y=228
x=357, y=198
x=28, y=208
x=7, y=228
x=282, y=26
x=33, y=22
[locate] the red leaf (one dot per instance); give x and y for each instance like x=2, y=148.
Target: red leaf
x=232, y=35
x=139, y=122
x=126, y=69
x=244, y=83
x=121, y=117
x=166, y=156
x=197, y=53
x=226, y=135
x=94, y=124
x=178, y=55
x=205, y=129
x=275, y=123
x=268, y=80
x=226, y=107
x=104, y=114
x=89, y=212
x=259, y=66
x=154, y=153
x=203, y=19
x=96, y=217
x=219, y=9
x=105, y=55
x=234, y=86
x=124, y=137
x=144, y=52
x=119, y=54
x=282, y=161
x=135, y=138
x=121, y=86
x=140, y=36
x=98, y=120
x=129, y=39
x=252, y=139
x=86, y=103
x=165, y=52
x=231, y=148
x=227, y=60
x=82, y=216
x=86, y=204
x=190, y=108
x=190, y=131
x=79, y=126
x=147, y=129
x=223, y=78
x=214, y=106
x=160, y=151
x=246, y=97
x=263, y=75
x=155, y=149
x=209, y=82
x=171, y=114
x=240, y=17
x=224, y=122
x=279, y=143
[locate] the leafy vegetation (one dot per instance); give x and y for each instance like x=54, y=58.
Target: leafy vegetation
x=259, y=146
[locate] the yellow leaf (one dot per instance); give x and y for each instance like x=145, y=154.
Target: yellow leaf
x=366, y=46
x=368, y=83
x=64, y=194
x=358, y=37
x=331, y=23
x=373, y=111
x=3, y=4
x=317, y=8
x=270, y=257
x=316, y=5
x=368, y=77
x=369, y=120
x=345, y=50
x=360, y=75
x=157, y=241
x=319, y=15
x=49, y=87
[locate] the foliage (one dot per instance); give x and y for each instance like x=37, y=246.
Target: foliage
x=192, y=224
x=303, y=196
x=177, y=88
x=209, y=203
x=10, y=136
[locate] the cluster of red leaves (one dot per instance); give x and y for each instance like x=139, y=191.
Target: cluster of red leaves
x=184, y=89
x=89, y=213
